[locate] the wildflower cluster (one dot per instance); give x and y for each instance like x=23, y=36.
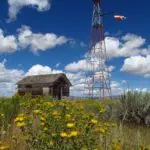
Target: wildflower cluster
x=64, y=125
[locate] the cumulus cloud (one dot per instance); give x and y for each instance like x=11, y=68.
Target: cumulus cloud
x=138, y=65
x=84, y=65
x=81, y=65
x=27, y=39
x=16, y=5
x=80, y=87
x=39, y=70
x=126, y=46
x=38, y=41
x=8, y=79
x=116, y=88
x=8, y=44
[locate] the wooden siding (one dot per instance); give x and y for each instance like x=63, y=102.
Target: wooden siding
x=58, y=90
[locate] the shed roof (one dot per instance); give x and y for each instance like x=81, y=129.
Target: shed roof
x=43, y=79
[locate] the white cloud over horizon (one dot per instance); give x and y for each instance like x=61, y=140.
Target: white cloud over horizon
x=8, y=79
x=83, y=65
x=137, y=65
x=15, y=6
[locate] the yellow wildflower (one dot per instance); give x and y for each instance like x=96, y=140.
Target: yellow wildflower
x=73, y=133
x=37, y=111
x=19, y=119
x=102, y=110
x=50, y=104
x=63, y=134
x=20, y=124
x=102, y=130
x=94, y=121
x=70, y=125
x=42, y=119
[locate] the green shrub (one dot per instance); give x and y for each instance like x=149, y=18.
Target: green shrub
x=135, y=107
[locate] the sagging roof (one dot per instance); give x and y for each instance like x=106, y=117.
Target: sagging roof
x=44, y=79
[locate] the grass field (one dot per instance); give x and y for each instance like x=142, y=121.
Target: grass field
x=42, y=124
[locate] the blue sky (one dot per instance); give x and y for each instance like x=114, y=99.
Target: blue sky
x=70, y=22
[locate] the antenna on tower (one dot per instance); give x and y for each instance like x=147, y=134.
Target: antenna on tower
x=98, y=76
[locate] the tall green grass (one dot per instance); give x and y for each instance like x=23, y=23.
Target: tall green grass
x=135, y=107
x=10, y=107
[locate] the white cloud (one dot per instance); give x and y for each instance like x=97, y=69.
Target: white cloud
x=115, y=84
x=26, y=38
x=16, y=5
x=111, y=68
x=39, y=70
x=138, y=65
x=8, y=44
x=8, y=79
x=125, y=46
x=38, y=41
x=128, y=45
x=84, y=65
x=81, y=65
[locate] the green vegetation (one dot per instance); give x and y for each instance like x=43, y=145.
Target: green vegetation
x=41, y=123
x=135, y=107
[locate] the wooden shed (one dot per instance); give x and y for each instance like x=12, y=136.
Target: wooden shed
x=56, y=85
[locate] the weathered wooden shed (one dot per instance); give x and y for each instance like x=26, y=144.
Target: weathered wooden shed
x=56, y=85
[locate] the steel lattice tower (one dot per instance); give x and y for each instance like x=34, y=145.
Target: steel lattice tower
x=98, y=76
